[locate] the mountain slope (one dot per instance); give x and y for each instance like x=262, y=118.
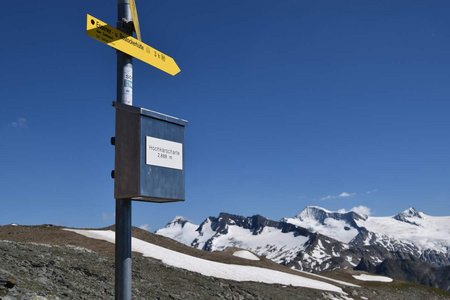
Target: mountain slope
x=317, y=239
x=211, y=268
x=66, y=265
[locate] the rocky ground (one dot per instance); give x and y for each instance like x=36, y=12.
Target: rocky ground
x=45, y=262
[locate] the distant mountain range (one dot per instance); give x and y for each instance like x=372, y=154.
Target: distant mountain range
x=409, y=246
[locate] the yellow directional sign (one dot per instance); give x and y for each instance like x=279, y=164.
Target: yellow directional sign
x=135, y=18
x=115, y=38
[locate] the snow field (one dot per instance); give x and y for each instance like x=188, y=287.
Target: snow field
x=270, y=242
x=429, y=233
x=183, y=234
x=244, y=238
x=365, y=277
x=245, y=254
x=332, y=228
x=211, y=268
x=329, y=279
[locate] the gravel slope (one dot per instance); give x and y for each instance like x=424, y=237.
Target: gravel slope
x=45, y=262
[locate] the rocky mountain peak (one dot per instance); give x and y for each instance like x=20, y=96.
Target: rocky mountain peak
x=178, y=220
x=411, y=212
x=319, y=214
x=254, y=223
x=410, y=215
x=312, y=213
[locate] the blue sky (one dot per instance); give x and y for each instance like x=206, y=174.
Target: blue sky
x=289, y=103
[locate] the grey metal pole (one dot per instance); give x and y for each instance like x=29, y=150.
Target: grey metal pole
x=123, y=206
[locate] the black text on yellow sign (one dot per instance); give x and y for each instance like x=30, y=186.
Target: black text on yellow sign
x=115, y=38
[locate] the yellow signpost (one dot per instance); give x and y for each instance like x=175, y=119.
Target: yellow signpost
x=116, y=39
x=135, y=18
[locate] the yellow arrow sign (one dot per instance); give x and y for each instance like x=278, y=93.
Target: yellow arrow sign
x=115, y=38
x=135, y=18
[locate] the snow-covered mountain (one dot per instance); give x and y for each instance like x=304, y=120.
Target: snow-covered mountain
x=317, y=239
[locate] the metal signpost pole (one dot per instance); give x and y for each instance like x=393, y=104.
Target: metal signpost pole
x=123, y=206
x=133, y=132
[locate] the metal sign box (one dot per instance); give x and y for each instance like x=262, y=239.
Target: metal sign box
x=149, y=162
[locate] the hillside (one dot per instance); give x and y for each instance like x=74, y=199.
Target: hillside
x=54, y=263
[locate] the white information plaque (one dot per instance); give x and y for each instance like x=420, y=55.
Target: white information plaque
x=164, y=153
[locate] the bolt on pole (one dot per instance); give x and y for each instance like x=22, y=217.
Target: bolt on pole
x=123, y=206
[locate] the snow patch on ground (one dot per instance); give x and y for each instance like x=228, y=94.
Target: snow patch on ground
x=365, y=277
x=211, y=268
x=245, y=254
x=329, y=296
x=330, y=279
x=80, y=249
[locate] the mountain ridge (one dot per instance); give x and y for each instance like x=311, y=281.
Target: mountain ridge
x=317, y=239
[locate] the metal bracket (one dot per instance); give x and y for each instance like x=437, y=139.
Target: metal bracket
x=126, y=26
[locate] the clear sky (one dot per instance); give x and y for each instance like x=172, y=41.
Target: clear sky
x=289, y=103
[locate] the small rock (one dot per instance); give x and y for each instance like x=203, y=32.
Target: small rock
x=8, y=283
